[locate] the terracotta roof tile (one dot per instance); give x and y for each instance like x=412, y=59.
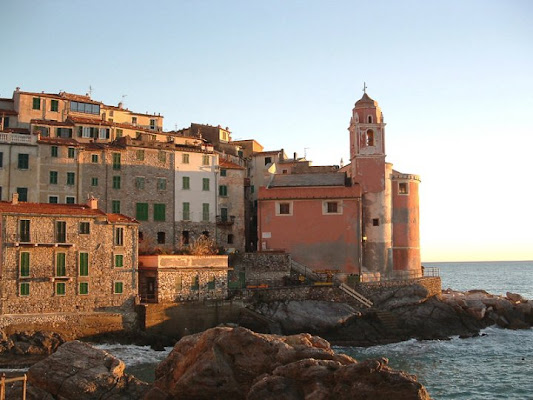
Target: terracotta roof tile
x=6, y=111
x=228, y=164
x=50, y=122
x=91, y=121
x=22, y=131
x=59, y=141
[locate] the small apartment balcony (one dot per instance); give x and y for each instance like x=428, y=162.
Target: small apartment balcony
x=34, y=239
x=225, y=220
x=17, y=138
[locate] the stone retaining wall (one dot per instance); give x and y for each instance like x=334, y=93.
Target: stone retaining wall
x=431, y=283
x=271, y=269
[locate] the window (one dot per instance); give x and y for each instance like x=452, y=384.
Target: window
x=24, y=264
x=71, y=177
x=185, y=237
x=119, y=236
x=159, y=212
x=103, y=133
x=24, y=230
x=205, y=212
x=284, y=209
x=134, y=120
x=403, y=188
x=116, y=182
x=25, y=289
x=223, y=172
x=85, y=228
x=205, y=159
x=23, y=161
x=139, y=182
x=71, y=152
x=268, y=160
x=61, y=288
x=23, y=193
x=116, y=160
x=83, y=288
x=230, y=238
x=1, y=159
x=70, y=200
x=53, y=151
x=94, y=181
x=118, y=287
x=223, y=214
x=36, y=103
x=370, y=137
x=205, y=184
x=84, y=264
x=139, y=154
x=6, y=122
x=61, y=231
x=375, y=222
x=115, y=206
x=61, y=267
x=119, y=260
x=118, y=133
x=162, y=156
x=195, y=284
x=211, y=283
x=186, y=212
x=94, y=158
x=252, y=189
x=64, y=132
x=53, y=177
x=53, y=199
x=185, y=159
x=141, y=213
x=223, y=190
x=370, y=119
x=86, y=108
x=54, y=105
x=185, y=183
x=152, y=124
x=161, y=184
x=332, y=207
x=161, y=237
x=284, y=171
x=141, y=236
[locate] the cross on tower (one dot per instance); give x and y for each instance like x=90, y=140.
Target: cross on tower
x=364, y=87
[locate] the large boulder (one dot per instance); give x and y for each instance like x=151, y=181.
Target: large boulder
x=79, y=371
x=236, y=363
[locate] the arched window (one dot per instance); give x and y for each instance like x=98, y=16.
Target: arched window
x=370, y=119
x=370, y=137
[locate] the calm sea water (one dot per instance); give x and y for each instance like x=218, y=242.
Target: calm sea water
x=496, y=366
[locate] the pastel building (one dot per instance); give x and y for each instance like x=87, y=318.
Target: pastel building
x=361, y=219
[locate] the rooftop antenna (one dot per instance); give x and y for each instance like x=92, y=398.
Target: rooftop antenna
x=90, y=90
x=305, y=152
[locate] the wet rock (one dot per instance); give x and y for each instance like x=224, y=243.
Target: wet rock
x=237, y=363
x=515, y=297
x=79, y=371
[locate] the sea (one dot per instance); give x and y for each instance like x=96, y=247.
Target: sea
x=496, y=365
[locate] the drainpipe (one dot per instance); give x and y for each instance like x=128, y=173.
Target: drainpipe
x=361, y=236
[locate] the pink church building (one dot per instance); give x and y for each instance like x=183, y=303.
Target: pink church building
x=362, y=219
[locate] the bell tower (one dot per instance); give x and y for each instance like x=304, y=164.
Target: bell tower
x=372, y=173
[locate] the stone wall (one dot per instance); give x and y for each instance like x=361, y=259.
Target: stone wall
x=432, y=284
x=71, y=325
x=272, y=269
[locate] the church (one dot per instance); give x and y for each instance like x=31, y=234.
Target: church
x=362, y=219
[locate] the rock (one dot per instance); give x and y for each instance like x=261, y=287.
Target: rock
x=514, y=297
x=79, y=371
x=31, y=343
x=236, y=363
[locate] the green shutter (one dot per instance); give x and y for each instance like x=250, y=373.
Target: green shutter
x=115, y=206
x=119, y=261
x=141, y=211
x=61, y=288
x=84, y=288
x=119, y=287
x=24, y=289
x=186, y=211
x=61, y=269
x=24, y=264
x=159, y=212
x=205, y=211
x=84, y=264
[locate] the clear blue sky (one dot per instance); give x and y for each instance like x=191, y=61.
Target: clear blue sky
x=453, y=78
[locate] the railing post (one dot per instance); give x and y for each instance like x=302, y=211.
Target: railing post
x=24, y=387
x=3, y=387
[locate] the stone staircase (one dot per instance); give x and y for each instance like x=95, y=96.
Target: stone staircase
x=388, y=319
x=356, y=295
x=305, y=271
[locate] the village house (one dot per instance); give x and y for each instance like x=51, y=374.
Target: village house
x=66, y=258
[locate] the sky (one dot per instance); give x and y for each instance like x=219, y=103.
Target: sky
x=453, y=79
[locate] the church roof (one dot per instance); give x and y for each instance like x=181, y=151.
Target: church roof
x=366, y=100
x=302, y=180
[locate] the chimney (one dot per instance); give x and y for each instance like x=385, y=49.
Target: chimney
x=92, y=203
x=15, y=199
x=295, y=156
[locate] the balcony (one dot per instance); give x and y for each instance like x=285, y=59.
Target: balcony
x=225, y=220
x=17, y=138
x=35, y=239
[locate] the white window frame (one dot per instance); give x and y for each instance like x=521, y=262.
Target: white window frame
x=278, y=208
x=325, y=207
